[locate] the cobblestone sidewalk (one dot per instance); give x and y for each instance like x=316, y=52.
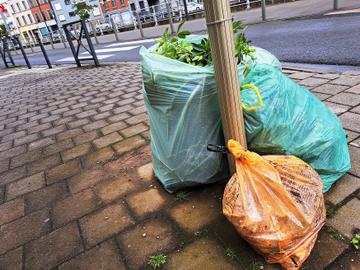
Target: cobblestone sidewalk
x=77, y=189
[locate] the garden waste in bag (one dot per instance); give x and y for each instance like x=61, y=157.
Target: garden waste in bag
x=276, y=204
x=184, y=116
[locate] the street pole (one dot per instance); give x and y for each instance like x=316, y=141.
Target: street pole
x=48, y=28
x=336, y=4
x=170, y=16
x=186, y=9
x=219, y=24
x=263, y=9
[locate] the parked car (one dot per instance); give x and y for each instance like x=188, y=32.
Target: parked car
x=194, y=7
x=103, y=27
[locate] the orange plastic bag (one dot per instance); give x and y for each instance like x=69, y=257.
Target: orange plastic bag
x=276, y=204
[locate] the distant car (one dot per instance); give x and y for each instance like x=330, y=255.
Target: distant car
x=194, y=7
x=103, y=27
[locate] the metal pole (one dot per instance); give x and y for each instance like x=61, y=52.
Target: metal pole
x=93, y=29
x=91, y=46
x=186, y=9
x=68, y=37
x=4, y=20
x=247, y=4
x=219, y=22
x=6, y=50
x=115, y=29
x=154, y=16
x=3, y=57
x=43, y=50
x=139, y=24
x=23, y=51
x=171, y=22
x=48, y=28
x=336, y=4
x=263, y=9
x=62, y=38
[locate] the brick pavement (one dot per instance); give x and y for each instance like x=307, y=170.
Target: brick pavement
x=77, y=189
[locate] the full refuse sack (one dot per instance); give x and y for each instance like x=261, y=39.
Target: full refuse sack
x=276, y=204
x=184, y=117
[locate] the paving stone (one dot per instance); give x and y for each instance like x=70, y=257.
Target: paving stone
x=53, y=248
x=12, y=175
x=342, y=189
x=330, y=89
x=25, y=185
x=45, y=197
x=100, y=156
x=86, y=137
x=201, y=254
x=113, y=128
x=11, y=210
x=325, y=251
x=344, y=221
x=351, y=121
x=146, y=172
x=138, y=110
x=347, y=80
x=95, y=125
x=69, y=134
x=63, y=171
x=58, y=147
x=25, y=158
x=13, y=136
x=349, y=261
x=87, y=179
x=137, y=119
x=355, y=160
x=4, y=165
x=73, y=207
x=77, y=151
x=352, y=135
x=355, y=89
x=147, y=202
x=129, y=144
x=23, y=230
x=356, y=109
x=18, y=150
x=337, y=108
x=118, y=117
x=346, y=99
x=313, y=82
x=321, y=96
x=5, y=146
x=150, y=238
x=12, y=260
x=107, y=140
x=53, y=131
x=39, y=128
x=44, y=164
x=193, y=215
x=356, y=143
x=329, y=76
x=78, y=123
x=123, y=109
x=114, y=188
x=41, y=143
x=104, y=223
x=102, y=257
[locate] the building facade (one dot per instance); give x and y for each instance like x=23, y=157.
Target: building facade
x=44, y=16
x=64, y=11
x=113, y=6
x=23, y=18
x=9, y=19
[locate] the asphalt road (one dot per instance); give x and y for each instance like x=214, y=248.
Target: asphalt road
x=331, y=40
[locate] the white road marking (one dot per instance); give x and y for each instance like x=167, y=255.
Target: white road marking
x=357, y=10
x=71, y=59
x=130, y=43
x=115, y=49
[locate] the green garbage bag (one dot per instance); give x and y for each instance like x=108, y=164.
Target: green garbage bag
x=184, y=116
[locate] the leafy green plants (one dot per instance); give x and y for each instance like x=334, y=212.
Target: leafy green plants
x=257, y=265
x=355, y=241
x=3, y=31
x=231, y=254
x=157, y=261
x=82, y=9
x=199, y=54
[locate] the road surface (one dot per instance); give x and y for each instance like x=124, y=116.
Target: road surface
x=331, y=40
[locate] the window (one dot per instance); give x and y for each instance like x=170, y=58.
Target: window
x=30, y=19
x=24, y=5
x=57, y=6
x=31, y=3
x=72, y=14
x=18, y=6
x=141, y=4
x=122, y=2
x=67, y=2
x=18, y=21
x=132, y=6
x=13, y=8
x=24, y=19
x=113, y=3
x=62, y=18
x=37, y=18
x=50, y=14
x=106, y=4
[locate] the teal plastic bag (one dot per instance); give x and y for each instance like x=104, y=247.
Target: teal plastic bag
x=184, y=117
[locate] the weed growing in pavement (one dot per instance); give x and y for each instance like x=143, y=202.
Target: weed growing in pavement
x=182, y=196
x=256, y=266
x=157, y=261
x=335, y=234
x=231, y=254
x=355, y=241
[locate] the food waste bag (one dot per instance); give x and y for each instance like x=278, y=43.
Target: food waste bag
x=276, y=204
x=184, y=116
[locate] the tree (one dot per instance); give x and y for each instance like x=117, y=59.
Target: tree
x=82, y=9
x=3, y=31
